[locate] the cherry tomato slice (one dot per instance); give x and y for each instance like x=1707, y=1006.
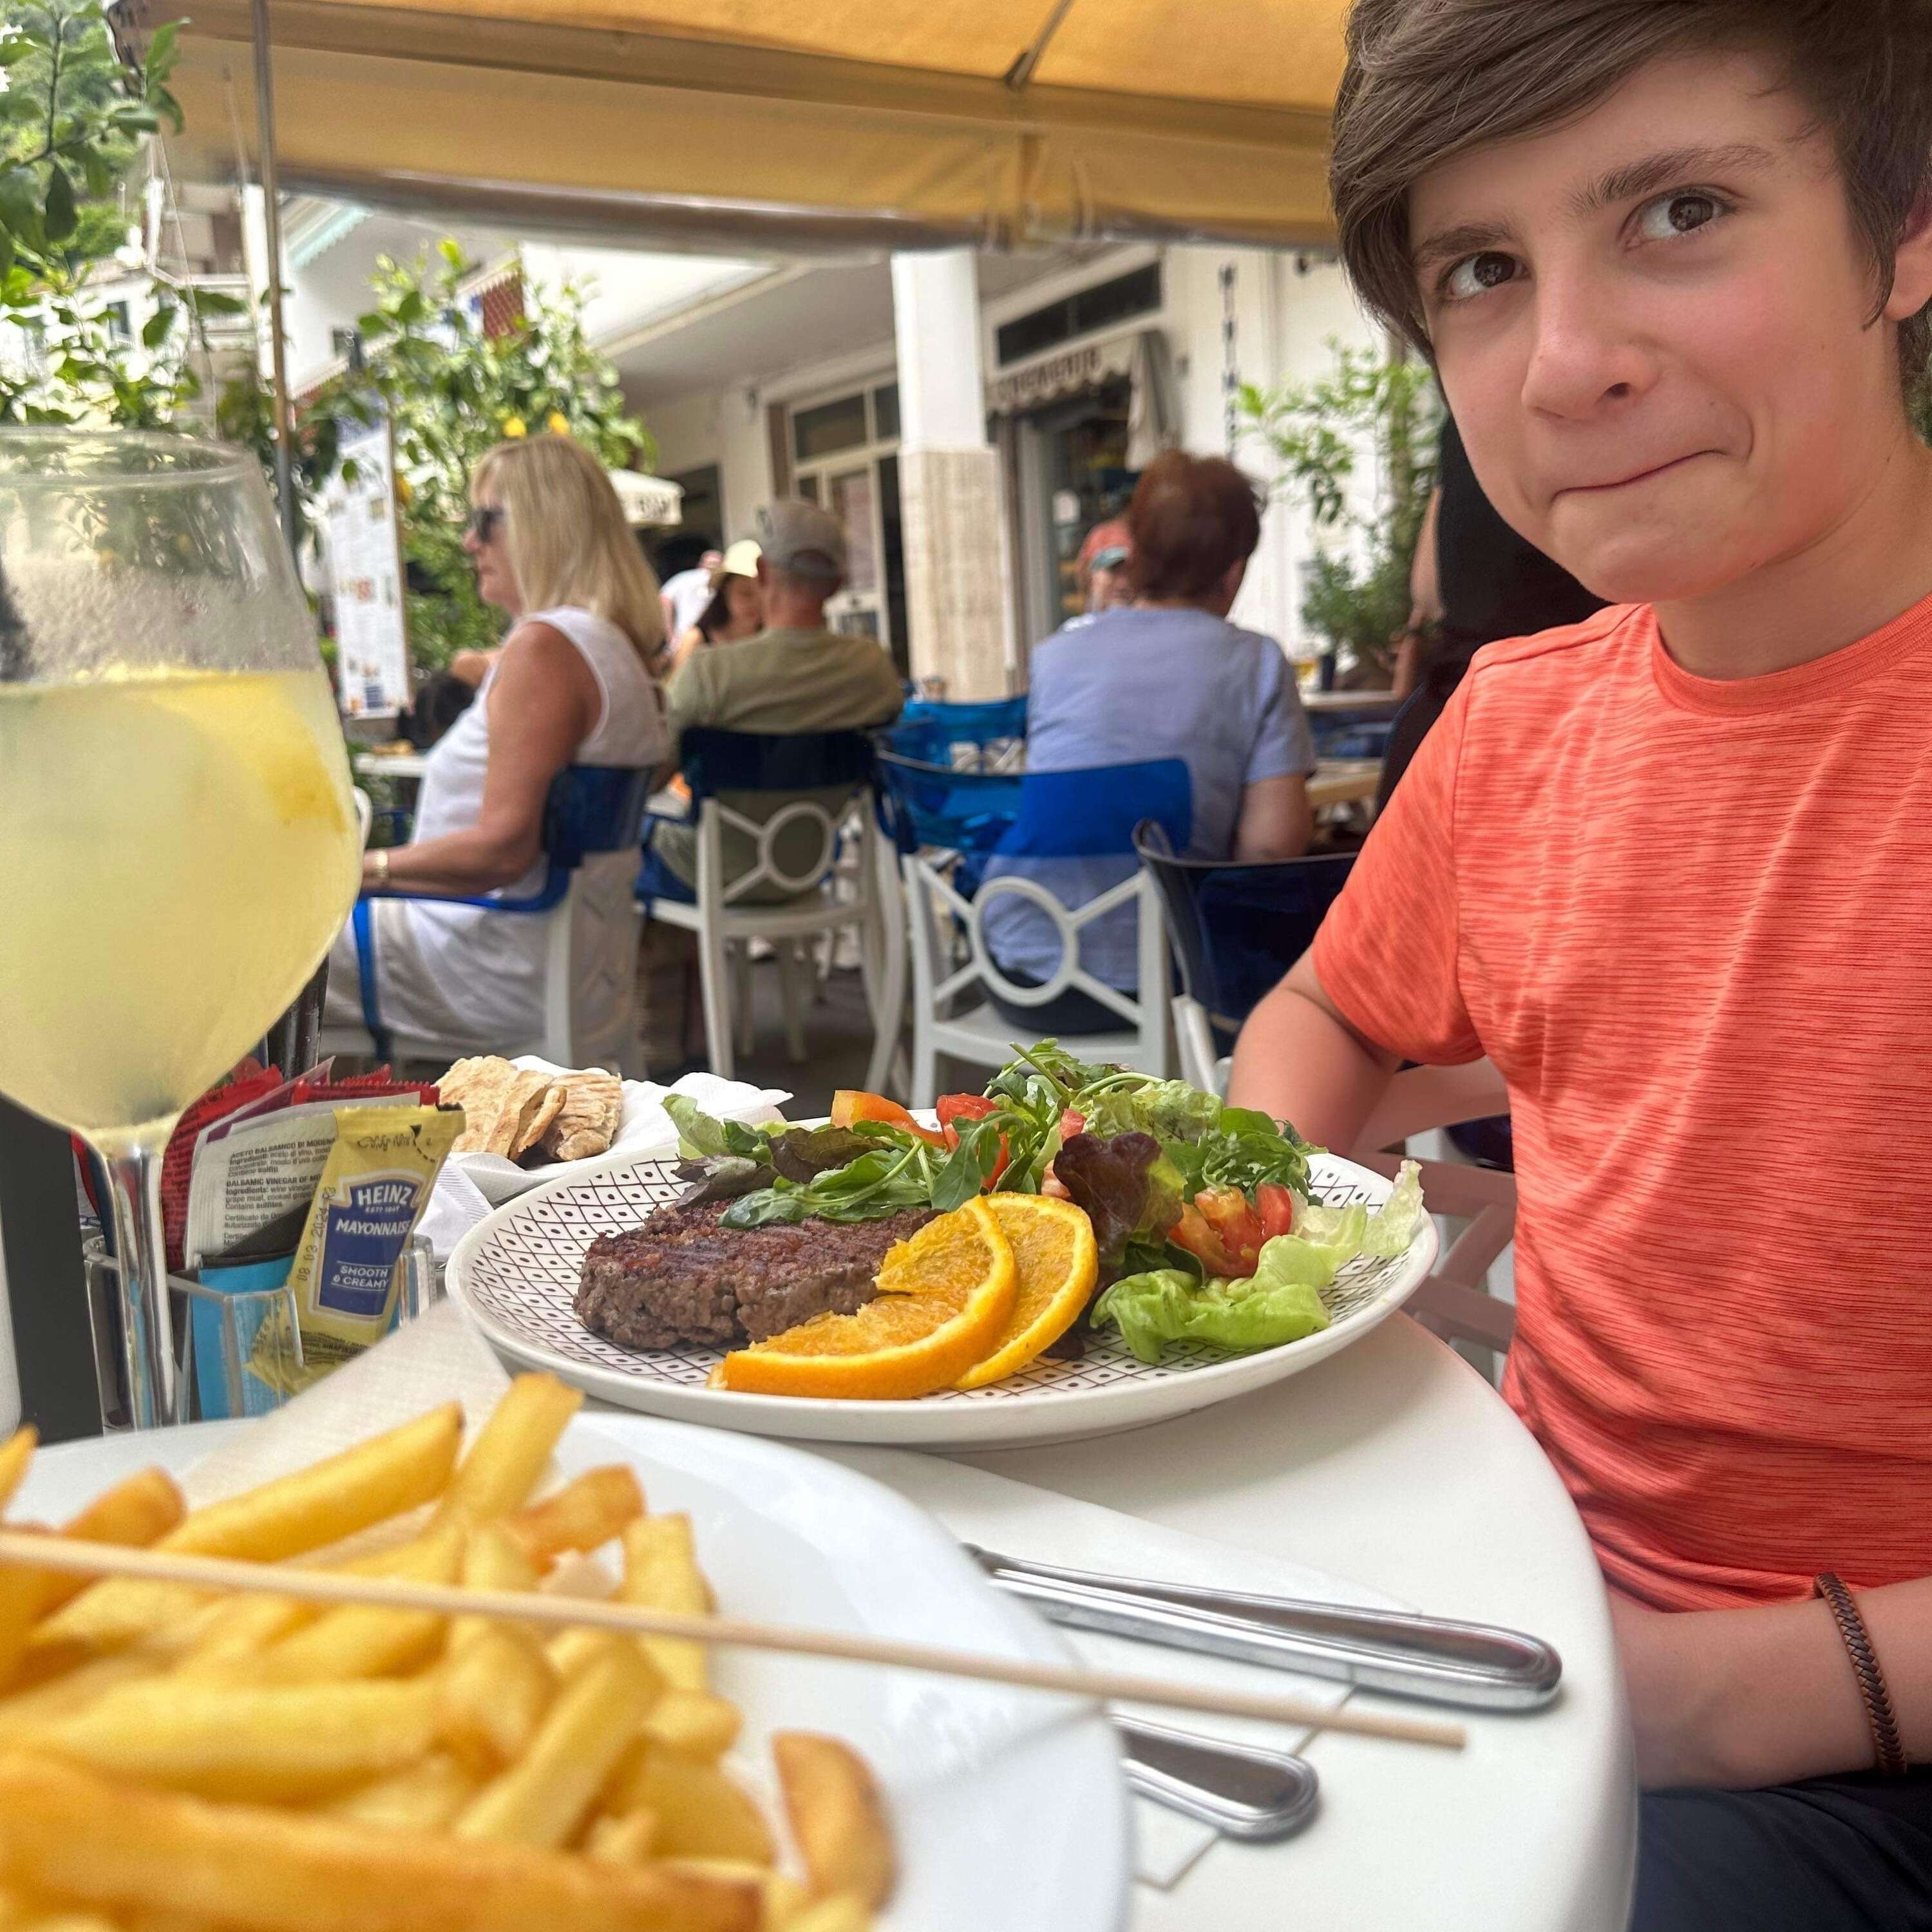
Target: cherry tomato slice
x=1276, y=1204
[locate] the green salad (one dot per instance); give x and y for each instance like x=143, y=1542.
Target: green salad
x=1200, y=1211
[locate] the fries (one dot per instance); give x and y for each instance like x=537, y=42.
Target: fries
x=583, y=1516
x=175, y=1760
x=108, y=1844
x=15, y=1452
x=836, y=1816
x=224, y=1741
x=507, y=1457
x=661, y=1571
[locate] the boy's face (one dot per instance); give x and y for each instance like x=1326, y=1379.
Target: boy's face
x=1651, y=325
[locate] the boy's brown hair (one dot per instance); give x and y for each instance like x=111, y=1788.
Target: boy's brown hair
x=1428, y=80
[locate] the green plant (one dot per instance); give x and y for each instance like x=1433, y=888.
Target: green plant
x=72, y=117
x=1371, y=405
x=451, y=391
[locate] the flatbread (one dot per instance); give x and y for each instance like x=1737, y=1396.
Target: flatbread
x=593, y=1105
x=537, y=1119
x=479, y=1087
x=515, y=1111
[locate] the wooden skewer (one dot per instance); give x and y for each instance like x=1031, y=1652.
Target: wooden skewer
x=40, y=1552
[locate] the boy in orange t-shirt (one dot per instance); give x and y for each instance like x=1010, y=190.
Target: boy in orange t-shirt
x=1667, y=868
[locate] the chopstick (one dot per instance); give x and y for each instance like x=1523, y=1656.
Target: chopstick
x=36, y=1551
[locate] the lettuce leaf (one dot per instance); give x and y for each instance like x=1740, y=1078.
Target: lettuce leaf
x=1128, y=1187
x=1170, y=1110
x=1280, y=1302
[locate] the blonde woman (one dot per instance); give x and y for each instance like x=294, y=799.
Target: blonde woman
x=569, y=685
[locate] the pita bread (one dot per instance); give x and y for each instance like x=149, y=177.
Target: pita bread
x=539, y=1119
x=479, y=1087
x=514, y=1111
x=593, y=1105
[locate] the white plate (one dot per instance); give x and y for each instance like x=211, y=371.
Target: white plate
x=998, y=1796
x=517, y=1274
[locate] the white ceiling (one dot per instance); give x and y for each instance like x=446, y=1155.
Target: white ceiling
x=792, y=316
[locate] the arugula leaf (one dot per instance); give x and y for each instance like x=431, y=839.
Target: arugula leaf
x=723, y=1178
x=969, y=1164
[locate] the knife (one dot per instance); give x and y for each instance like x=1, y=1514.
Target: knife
x=1475, y=1665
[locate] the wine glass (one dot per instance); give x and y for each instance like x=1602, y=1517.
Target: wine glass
x=177, y=840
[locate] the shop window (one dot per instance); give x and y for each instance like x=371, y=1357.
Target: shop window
x=828, y=427
x=1104, y=306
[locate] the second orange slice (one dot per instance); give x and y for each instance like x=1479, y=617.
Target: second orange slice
x=944, y=1299
x=1053, y=1248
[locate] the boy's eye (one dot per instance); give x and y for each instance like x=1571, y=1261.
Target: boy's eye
x=1681, y=213
x=1475, y=273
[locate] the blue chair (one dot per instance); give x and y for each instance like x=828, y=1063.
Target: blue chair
x=928, y=805
x=591, y=810
x=991, y=733
x=1084, y=814
x=784, y=881
x=1236, y=929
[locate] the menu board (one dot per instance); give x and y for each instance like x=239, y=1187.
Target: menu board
x=365, y=555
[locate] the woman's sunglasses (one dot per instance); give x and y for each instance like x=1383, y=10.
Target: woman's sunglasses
x=484, y=522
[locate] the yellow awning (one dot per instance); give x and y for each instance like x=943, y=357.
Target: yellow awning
x=903, y=122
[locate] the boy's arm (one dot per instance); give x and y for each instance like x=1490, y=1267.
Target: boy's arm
x=1767, y=1695
x=1299, y=1059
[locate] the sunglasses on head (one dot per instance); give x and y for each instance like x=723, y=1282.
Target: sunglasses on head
x=484, y=522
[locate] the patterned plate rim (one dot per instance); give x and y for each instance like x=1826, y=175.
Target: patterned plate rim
x=551, y=1327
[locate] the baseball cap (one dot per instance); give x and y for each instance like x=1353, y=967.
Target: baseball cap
x=740, y=560
x=1107, y=546
x=798, y=536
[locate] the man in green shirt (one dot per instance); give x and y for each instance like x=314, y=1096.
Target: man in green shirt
x=795, y=676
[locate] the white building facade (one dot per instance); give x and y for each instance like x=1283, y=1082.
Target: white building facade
x=968, y=415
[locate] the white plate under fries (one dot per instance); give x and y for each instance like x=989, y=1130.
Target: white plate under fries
x=517, y=1274
x=1008, y=1808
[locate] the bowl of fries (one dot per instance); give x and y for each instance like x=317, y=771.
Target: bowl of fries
x=178, y=1757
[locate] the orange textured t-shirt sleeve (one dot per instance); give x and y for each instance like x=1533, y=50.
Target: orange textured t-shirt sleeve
x=1387, y=953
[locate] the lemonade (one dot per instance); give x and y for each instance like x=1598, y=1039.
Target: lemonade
x=176, y=852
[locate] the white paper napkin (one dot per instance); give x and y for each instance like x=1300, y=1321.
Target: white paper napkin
x=645, y=1127
x=440, y=1358
x=1018, y=1519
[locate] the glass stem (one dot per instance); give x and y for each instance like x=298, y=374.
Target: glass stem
x=147, y=1321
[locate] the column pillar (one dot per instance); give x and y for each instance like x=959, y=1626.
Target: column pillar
x=959, y=612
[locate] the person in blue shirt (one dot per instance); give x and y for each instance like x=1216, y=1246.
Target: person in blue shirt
x=1165, y=676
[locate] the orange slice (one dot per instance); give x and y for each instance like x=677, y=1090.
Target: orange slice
x=1053, y=1249
x=944, y=1300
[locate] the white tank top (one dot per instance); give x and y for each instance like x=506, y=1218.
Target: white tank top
x=488, y=967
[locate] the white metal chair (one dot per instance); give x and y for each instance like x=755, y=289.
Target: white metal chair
x=588, y=906
x=733, y=909
x=1454, y=1302
x=953, y=971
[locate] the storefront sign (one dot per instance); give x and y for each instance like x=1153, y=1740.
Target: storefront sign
x=1065, y=373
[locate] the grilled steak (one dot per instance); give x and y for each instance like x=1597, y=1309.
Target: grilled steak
x=680, y=1277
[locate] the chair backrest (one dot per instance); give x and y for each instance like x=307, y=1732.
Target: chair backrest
x=744, y=763
x=1236, y=929
x=594, y=808
x=936, y=805
x=1095, y=811
x=929, y=731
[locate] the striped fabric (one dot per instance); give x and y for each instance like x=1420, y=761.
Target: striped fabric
x=1689, y=920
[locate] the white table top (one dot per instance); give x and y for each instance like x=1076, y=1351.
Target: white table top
x=1396, y=1465
x=1342, y=780
x=1349, y=700
x=391, y=764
